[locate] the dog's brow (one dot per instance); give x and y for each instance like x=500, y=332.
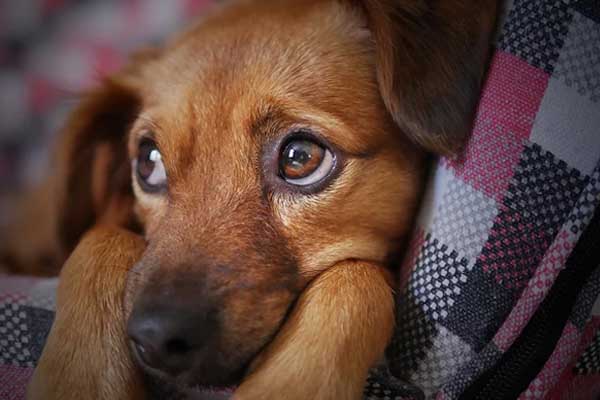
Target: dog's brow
x=144, y=123
x=268, y=119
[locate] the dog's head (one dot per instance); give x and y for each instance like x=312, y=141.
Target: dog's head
x=260, y=148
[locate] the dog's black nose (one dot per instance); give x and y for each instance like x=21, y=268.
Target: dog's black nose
x=168, y=339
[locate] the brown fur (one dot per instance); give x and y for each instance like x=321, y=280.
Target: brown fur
x=321, y=332
x=296, y=280
x=90, y=359
x=432, y=95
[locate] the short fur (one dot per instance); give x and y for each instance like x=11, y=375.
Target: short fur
x=95, y=362
x=296, y=280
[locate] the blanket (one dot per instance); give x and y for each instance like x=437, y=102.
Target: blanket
x=497, y=294
x=499, y=291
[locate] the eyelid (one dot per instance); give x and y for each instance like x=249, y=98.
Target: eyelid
x=335, y=128
x=303, y=132
x=142, y=129
x=146, y=135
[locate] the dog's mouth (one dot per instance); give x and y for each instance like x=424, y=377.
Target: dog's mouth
x=161, y=387
x=194, y=383
x=158, y=389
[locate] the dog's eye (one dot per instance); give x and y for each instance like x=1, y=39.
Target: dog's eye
x=149, y=167
x=304, y=162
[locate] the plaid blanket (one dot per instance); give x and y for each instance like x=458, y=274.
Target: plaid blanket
x=499, y=291
x=26, y=313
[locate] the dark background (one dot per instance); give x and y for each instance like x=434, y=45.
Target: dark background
x=51, y=50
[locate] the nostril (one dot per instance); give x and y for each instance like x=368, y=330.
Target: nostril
x=177, y=347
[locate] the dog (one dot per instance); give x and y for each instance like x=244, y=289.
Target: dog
x=233, y=201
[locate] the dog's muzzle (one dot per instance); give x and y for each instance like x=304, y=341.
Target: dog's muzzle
x=170, y=338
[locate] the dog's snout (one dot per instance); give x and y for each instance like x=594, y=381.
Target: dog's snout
x=168, y=339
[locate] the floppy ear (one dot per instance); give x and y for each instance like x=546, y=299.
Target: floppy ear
x=93, y=174
x=430, y=60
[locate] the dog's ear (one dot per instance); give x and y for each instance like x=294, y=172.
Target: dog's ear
x=93, y=168
x=430, y=61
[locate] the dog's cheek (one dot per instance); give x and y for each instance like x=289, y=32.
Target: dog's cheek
x=250, y=319
x=256, y=294
x=149, y=210
x=133, y=285
x=363, y=215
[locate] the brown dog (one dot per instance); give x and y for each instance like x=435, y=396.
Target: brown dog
x=272, y=157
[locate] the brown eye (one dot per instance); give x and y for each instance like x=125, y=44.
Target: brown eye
x=149, y=167
x=303, y=162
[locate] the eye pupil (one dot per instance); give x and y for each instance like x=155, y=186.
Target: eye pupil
x=149, y=166
x=146, y=160
x=300, y=158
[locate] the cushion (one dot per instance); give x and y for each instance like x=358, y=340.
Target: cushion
x=499, y=290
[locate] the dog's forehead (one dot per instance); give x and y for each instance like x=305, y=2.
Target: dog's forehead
x=256, y=52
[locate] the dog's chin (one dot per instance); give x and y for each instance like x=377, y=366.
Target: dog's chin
x=196, y=384
x=181, y=388
x=159, y=390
